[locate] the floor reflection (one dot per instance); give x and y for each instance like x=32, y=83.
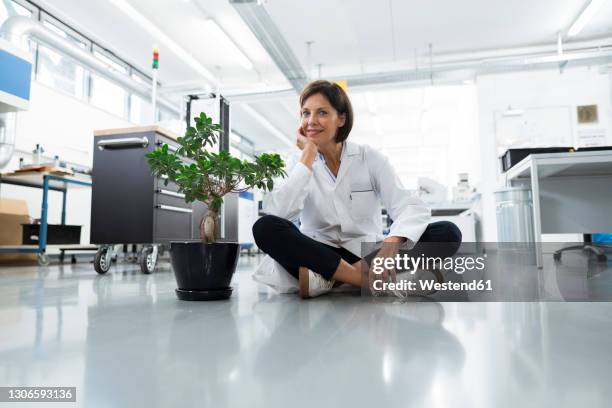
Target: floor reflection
x=125, y=340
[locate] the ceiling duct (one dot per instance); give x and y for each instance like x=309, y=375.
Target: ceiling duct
x=451, y=72
x=16, y=28
x=471, y=66
x=261, y=24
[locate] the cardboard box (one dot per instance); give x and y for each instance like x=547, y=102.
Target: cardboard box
x=13, y=213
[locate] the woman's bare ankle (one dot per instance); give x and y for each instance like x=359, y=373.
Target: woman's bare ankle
x=348, y=273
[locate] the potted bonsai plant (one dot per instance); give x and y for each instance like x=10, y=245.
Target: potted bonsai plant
x=204, y=269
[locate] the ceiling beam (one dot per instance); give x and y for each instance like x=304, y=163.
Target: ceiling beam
x=261, y=24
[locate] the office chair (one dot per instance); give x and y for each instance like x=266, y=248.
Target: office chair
x=588, y=246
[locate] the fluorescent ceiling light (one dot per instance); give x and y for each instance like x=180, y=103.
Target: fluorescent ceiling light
x=227, y=43
x=162, y=37
x=267, y=125
x=584, y=17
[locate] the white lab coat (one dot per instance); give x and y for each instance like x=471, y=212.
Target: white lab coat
x=345, y=213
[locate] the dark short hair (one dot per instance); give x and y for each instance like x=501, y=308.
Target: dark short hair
x=337, y=98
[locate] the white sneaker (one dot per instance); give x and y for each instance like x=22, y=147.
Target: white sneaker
x=312, y=284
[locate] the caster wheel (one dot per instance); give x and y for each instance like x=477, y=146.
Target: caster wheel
x=148, y=259
x=103, y=260
x=557, y=257
x=602, y=258
x=43, y=259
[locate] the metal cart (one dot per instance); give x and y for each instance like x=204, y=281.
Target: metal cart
x=46, y=182
x=147, y=258
x=131, y=206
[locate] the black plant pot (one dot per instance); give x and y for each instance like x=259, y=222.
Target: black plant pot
x=204, y=271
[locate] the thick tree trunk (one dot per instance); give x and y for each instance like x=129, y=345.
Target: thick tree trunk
x=208, y=227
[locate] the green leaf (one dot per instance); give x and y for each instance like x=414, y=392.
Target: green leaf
x=203, y=174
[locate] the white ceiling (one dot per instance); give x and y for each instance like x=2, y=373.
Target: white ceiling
x=350, y=37
x=353, y=36
x=346, y=33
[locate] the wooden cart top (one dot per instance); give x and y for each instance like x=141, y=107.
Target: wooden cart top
x=136, y=129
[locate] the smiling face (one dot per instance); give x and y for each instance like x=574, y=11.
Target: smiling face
x=319, y=120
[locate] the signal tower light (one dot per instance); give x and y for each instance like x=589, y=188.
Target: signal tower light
x=155, y=58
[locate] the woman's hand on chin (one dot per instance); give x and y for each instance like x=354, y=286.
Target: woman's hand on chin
x=308, y=148
x=304, y=143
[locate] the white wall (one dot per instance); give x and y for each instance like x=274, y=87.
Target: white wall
x=528, y=90
x=429, y=131
x=64, y=126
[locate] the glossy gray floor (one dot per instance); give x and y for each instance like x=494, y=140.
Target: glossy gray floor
x=124, y=340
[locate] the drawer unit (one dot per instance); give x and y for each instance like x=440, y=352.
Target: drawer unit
x=129, y=204
x=172, y=223
x=161, y=184
x=171, y=198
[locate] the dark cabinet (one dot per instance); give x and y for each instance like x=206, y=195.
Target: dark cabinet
x=128, y=204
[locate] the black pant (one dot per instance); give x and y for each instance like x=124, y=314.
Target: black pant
x=284, y=242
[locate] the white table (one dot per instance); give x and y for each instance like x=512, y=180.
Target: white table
x=572, y=192
x=458, y=213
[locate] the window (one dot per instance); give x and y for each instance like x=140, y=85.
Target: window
x=63, y=30
x=110, y=60
x=140, y=108
x=108, y=96
x=60, y=72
